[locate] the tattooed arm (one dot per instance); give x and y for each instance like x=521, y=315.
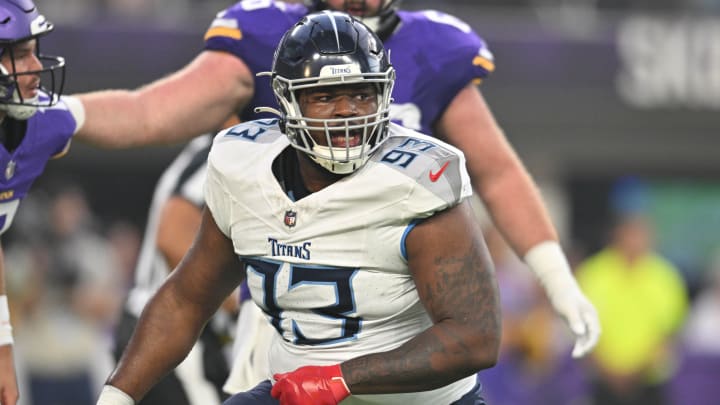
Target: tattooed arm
x=456, y=283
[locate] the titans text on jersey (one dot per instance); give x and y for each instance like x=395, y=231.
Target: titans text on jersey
x=280, y=249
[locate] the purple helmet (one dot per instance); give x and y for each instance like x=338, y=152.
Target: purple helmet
x=20, y=22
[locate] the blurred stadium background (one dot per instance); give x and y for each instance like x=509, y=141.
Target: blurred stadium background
x=612, y=104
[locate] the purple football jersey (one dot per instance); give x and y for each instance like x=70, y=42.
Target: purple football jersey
x=435, y=56
x=47, y=135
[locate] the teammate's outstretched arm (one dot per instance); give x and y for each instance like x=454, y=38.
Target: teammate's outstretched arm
x=517, y=210
x=171, y=322
x=195, y=100
x=455, y=282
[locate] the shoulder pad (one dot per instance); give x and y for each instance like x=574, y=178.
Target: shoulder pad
x=257, y=131
x=435, y=166
x=458, y=44
x=251, y=18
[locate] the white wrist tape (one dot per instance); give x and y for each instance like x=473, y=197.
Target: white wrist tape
x=114, y=396
x=77, y=109
x=6, y=337
x=551, y=267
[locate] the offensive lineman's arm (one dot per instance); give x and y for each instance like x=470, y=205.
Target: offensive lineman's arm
x=178, y=225
x=517, y=210
x=195, y=100
x=497, y=173
x=174, y=317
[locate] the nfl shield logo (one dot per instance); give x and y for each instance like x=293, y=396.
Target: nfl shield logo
x=290, y=218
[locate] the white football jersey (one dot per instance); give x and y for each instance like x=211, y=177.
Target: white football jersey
x=329, y=270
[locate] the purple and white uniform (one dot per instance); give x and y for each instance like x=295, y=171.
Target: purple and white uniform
x=47, y=136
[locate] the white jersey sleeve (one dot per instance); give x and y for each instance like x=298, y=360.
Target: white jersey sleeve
x=217, y=199
x=438, y=170
x=231, y=155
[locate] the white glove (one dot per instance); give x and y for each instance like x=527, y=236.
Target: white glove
x=114, y=396
x=549, y=264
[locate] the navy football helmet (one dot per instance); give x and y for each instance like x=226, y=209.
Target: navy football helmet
x=326, y=49
x=20, y=22
x=384, y=23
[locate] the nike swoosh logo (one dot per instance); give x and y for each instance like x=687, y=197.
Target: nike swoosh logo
x=435, y=176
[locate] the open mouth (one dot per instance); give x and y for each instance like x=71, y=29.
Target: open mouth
x=33, y=89
x=340, y=141
x=356, y=11
x=355, y=8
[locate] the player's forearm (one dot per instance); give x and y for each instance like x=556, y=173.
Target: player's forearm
x=516, y=207
x=166, y=332
x=124, y=119
x=115, y=119
x=437, y=357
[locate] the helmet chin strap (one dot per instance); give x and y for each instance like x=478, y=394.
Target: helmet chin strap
x=18, y=111
x=385, y=22
x=372, y=22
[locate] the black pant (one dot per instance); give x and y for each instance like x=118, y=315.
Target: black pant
x=260, y=395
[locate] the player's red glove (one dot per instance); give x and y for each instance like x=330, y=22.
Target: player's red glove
x=310, y=385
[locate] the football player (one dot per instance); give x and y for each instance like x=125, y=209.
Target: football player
x=440, y=60
x=356, y=236
x=37, y=123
